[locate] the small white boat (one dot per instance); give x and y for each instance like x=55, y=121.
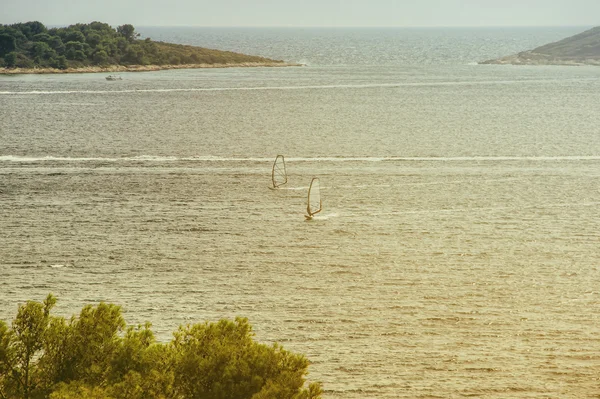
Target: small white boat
x=114, y=77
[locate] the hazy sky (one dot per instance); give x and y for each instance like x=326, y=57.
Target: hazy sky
x=305, y=12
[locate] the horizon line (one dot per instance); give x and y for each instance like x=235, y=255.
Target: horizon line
x=318, y=26
x=365, y=26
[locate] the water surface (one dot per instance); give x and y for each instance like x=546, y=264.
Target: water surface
x=457, y=252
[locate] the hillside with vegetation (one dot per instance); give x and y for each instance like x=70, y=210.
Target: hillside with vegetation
x=31, y=45
x=580, y=49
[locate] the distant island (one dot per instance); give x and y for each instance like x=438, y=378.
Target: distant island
x=30, y=47
x=581, y=49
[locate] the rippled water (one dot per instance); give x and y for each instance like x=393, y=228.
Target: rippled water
x=456, y=256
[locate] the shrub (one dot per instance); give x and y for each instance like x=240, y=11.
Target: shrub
x=96, y=356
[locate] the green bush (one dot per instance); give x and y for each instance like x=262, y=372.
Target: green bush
x=8, y=43
x=101, y=57
x=96, y=356
x=59, y=62
x=10, y=59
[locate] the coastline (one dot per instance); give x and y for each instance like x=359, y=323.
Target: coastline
x=576, y=50
x=533, y=58
x=141, y=68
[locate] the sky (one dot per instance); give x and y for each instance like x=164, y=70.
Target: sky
x=306, y=13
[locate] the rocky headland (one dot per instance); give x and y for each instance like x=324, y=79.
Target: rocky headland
x=580, y=49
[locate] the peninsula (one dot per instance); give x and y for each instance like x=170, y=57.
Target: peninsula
x=30, y=47
x=581, y=49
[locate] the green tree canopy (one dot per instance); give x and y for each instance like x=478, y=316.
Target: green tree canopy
x=31, y=28
x=8, y=43
x=72, y=35
x=128, y=32
x=96, y=356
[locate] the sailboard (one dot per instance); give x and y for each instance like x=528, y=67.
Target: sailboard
x=313, y=202
x=278, y=173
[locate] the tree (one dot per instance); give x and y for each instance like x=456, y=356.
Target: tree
x=57, y=44
x=100, y=57
x=28, y=331
x=30, y=29
x=33, y=28
x=135, y=54
x=42, y=50
x=41, y=37
x=8, y=43
x=103, y=28
x=128, y=32
x=77, y=390
x=93, y=38
x=6, y=360
x=61, y=62
x=74, y=51
x=110, y=46
x=222, y=361
x=91, y=344
x=73, y=35
x=93, y=356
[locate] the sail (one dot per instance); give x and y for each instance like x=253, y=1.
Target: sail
x=279, y=175
x=314, y=197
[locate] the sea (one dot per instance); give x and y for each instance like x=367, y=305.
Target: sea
x=458, y=250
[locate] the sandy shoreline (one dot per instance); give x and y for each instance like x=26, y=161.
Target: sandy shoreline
x=140, y=68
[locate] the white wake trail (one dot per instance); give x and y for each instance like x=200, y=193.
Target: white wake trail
x=308, y=87
x=212, y=158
